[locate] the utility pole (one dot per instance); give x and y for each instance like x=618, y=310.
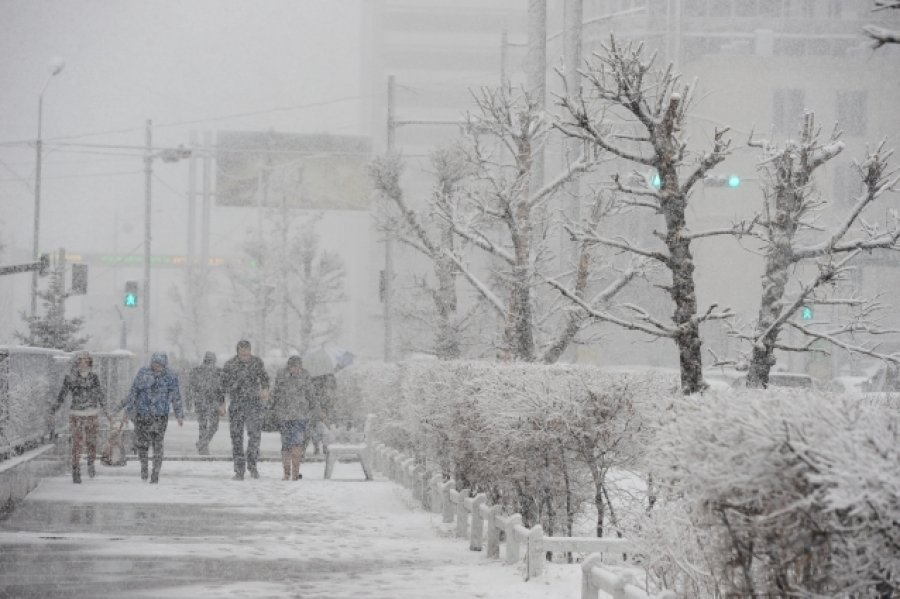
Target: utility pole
x=536, y=64
x=148, y=177
x=389, y=242
x=192, y=209
x=573, y=24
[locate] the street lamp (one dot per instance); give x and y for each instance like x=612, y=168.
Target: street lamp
x=167, y=155
x=55, y=67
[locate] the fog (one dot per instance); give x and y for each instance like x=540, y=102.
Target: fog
x=308, y=68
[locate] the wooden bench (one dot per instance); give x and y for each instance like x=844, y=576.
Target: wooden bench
x=359, y=450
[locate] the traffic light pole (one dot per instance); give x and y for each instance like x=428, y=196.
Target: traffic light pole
x=148, y=176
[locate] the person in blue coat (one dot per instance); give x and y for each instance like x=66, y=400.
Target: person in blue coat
x=153, y=394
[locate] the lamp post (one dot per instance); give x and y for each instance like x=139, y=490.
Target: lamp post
x=55, y=67
x=167, y=155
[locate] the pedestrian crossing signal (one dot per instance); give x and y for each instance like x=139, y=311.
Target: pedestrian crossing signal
x=807, y=313
x=131, y=294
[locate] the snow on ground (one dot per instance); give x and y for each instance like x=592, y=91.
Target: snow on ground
x=200, y=534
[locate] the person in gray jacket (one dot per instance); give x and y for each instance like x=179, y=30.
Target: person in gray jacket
x=246, y=382
x=88, y=402
x=208, y=398
x=290, y=402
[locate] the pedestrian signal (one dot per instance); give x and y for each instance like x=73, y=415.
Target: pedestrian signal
x=806, y=313
x=131, y=294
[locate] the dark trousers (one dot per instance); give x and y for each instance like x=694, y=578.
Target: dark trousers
x=150, y=430
x=251, y=420
x=208, y=421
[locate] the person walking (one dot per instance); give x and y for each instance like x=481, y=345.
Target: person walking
x=205, y=393
x=153, y=394
x=290, y=402
x=245, y=381
x=88, y=401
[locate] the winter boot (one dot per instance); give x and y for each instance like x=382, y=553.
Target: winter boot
x=296, y=458
x=76, y=475
x=286, y=464
x=254, y=473
x=91, y=472
x=154, y=476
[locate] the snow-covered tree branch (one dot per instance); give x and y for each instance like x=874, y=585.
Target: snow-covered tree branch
x=790, y=224
x=636, y=112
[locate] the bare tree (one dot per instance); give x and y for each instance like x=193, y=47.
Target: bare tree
x=513, y=226
x=637, y=113
x=881, y=35
x=432, y=238
x=288, y=286
x=319, y=276
x=790, y=226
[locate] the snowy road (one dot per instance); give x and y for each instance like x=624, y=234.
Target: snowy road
x=199, y=534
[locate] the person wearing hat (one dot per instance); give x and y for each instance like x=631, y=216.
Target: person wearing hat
x=88, y=401
x=290, y=402
x=154, y=393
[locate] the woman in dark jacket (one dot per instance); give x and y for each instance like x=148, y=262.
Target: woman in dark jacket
x=290, y=402
x=88, y=401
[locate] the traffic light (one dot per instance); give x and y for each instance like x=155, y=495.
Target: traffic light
x=131, y=294
x=657, y=182
x=732, y=181
x=806, y=313
x=79, y=279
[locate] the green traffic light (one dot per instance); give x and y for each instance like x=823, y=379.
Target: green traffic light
x=734, y=181
x=657, y=182
x=807, y=313
x=130, y=300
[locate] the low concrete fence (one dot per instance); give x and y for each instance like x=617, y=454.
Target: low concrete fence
x=486, y=529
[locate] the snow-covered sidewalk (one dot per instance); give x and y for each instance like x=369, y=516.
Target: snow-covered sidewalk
x=200, y=534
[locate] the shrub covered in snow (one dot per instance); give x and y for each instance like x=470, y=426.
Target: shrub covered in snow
x=539, y=440
x=776, y=493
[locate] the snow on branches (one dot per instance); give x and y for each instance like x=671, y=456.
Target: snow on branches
x=776, y=494
x=635, y=112
x=794, y=235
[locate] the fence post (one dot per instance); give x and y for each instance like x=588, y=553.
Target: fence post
x=436, y=496
x=476, y=532
x=618, y=591
x=424, y=485
x=588, y=589
x=462, y=516
x=512, y=544
x=493, y=533
x=445, y=501
x=534, y=557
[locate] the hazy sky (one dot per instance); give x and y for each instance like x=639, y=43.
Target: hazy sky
x=184, y=64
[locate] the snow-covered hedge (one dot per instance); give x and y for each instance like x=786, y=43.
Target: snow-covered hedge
x=776, y=493
x=539, y=440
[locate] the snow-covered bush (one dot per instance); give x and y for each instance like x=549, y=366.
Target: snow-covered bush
x=775, y=493
x=539, y=440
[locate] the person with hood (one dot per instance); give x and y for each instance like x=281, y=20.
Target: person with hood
x=206, y=394
x=246, y=382
x=153, y=394
x=88, y=401
x=290, y=402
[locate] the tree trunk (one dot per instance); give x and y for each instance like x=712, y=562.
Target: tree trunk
x=682, y=291
x=788, y=197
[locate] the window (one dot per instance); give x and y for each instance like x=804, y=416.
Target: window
x=787, y=110
x=851, y=112
x=847, y=185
